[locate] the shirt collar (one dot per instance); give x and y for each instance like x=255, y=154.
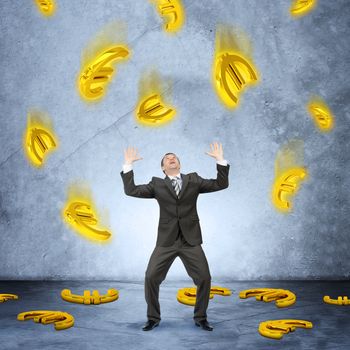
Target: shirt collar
x=173, y=177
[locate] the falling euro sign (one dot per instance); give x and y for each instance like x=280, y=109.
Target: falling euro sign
x=80, y=215
x=46, y=7
x=285, y=186
x=173, y=11
x=152, y=110
x=322, y=116
x=232, y=74
x=98, y=73
x=38, y=142
x=302, y=7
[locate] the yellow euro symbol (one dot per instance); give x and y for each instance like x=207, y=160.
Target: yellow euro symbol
x=302, y=7
x=187, y=296
x=255, y=292
x=173, y=13
x=232, y=74
x=87, y=298
x=220, y=291
x=153, y=111
x=99, y=72
x=62, y=320
x=285, y=186
x=275, y=329
x=38, y=143
x=46, y=7
x=82, y=218
x=282, y=297
x=6, y=297
x=340, y=301
x=321, y=115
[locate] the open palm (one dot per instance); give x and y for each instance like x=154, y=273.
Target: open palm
x=130, y=155
x=216, y=151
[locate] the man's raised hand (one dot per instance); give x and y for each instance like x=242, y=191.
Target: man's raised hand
x=130, y=155
x=216, y=151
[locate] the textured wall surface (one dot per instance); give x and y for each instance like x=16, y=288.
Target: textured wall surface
x=244, y=236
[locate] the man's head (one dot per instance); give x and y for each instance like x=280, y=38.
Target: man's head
x=170, y=164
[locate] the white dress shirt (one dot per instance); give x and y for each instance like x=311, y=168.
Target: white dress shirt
x=128, y=167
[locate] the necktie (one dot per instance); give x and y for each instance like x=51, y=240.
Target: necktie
x=176, y=184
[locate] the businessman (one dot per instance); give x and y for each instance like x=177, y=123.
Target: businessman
x=179, y=232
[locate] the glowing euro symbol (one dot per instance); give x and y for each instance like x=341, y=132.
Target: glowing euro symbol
x=152, y=110
x=340, y=301
x=187, y=296
x=38, y=142
x=232, y=74
x=302, y=7
x=80, y=215
x=46, y=7
x=62, y=320
x=87, y=298
x=6, y=297
x=282, y=297
x=321, y=115
x=173, y=11
x=275, y=329
x=285, y=186
x=99, y=72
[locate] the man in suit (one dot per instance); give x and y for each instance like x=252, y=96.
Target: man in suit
x=179, y=232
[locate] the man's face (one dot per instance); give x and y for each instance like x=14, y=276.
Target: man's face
x=170, y=164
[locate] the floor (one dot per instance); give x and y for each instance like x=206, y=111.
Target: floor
x=117, y=325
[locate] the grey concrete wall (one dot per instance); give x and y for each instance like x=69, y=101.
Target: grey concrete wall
x=244, y=236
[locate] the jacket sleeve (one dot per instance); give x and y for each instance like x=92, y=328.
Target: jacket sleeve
x=141, y=191
x=212, y=185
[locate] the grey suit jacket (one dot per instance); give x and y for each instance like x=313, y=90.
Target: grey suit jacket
x=177, y=211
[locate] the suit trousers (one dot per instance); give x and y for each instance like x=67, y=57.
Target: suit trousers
x=196, y=265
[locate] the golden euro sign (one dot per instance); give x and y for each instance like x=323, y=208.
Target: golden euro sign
x=6, y=297
x=321, y=115
x=153, y=111
x=173, y=14
x=62, y=320
x=187, y=296
x=340, y=301
x=38, y=143
x=98, y=73
x=282, y=297
x=285, y=186
x=82, y=218
x=46, y=7
x=302, y=7
x=87, y=298
x=232, y=74
x=275, y=329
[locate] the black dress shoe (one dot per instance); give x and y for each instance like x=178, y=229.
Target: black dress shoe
x=204, y=324
x=150, y=324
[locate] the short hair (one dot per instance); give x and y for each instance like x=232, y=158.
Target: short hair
x=162, y=161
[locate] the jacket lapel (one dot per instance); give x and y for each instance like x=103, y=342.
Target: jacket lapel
x=184, y=184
